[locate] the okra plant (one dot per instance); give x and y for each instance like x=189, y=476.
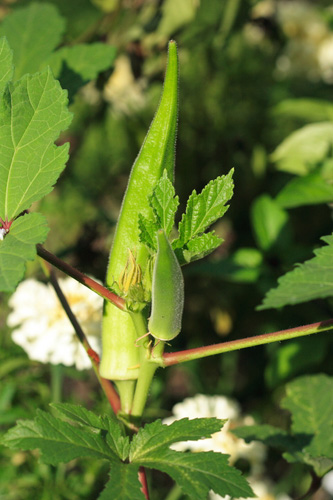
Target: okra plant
x=144, y=298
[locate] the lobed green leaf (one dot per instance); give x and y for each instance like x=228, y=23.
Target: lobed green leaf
x=6, y=63
x=309, y=281
x=33, y=112
x=310, y=401
x=198, y=247
x=205, y=208
x=311, y=189
x=19, y=246
x=164, y=203
x=57, y=440
x=156, y=436
x=123, y=484
x=198, y=473
x=33, y=32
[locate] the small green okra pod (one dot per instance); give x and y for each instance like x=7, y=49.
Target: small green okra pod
x=167, y=292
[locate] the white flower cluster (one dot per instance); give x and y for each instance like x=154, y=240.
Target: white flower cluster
x=42, y=327
x=224, y=441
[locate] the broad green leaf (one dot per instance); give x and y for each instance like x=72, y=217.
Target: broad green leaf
x=302, y=150
x=309, y=281
x=57, y=440
x=198, y=473
x=33, y=33
x=164, y=203
x=19, y=246
x=198, y=247
x=148, y=230
x=123, y=484
x=205, y=208
x=157, y=436
x=85, y=60
x=33, y=112
x=312, y=189
x=310, y=401
x=6, y=63
x=115, y=437
x=269, y=222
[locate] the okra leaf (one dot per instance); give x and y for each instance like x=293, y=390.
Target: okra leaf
x=164, y=203
x=309, y=399
x=62, y=441
x=308, y=281
x=33, y=32
x=85, y=60
x=156, y=436
x=123, y=483
x=198, y=247
x=115, y=437
x=6, y=63
x=196, y=473
x=19, y=246
x=148, y=229
x=33, y=112
x=205, y=208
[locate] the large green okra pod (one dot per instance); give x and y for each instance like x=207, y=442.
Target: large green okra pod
x=120, y=356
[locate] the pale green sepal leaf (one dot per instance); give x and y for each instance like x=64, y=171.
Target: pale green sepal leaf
x=308, y=281
x=123, y=483
x=198, y=473
x=205, y=208
x=115, y=437
x=148, y=229
x=198, y=247
x=6, y=63
x=33, y=33
x=164, y=203
x=156, y=436
x=302, y=150
x=57, y=440
x=85, y=60
x=33, y=113
x=312, y=189
x=269, y=222
x=19, y=246
x=310, y=401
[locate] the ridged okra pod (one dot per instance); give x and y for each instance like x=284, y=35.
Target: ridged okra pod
x=121, y=357
x=167, y=292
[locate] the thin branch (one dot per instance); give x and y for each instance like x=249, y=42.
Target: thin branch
x=143, y=481
x=107, y=386
x=81, y=278
x=173, y=358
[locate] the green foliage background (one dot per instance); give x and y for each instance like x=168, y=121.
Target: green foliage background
x=236, y=110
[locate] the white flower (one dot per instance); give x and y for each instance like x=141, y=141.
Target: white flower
x=327, y=482
x=42, y=327
x=3, y=233
x=202, y=406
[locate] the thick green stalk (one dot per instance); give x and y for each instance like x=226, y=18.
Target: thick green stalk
x=121, y=357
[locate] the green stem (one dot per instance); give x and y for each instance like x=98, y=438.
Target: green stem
x=267, y=338
x=146, y=374
x=126, y=392
x=175, y=493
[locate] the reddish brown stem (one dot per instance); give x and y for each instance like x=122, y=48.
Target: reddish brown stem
x=173, y=358
x=143, y=481
x=80, y=277
x=107, y=386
